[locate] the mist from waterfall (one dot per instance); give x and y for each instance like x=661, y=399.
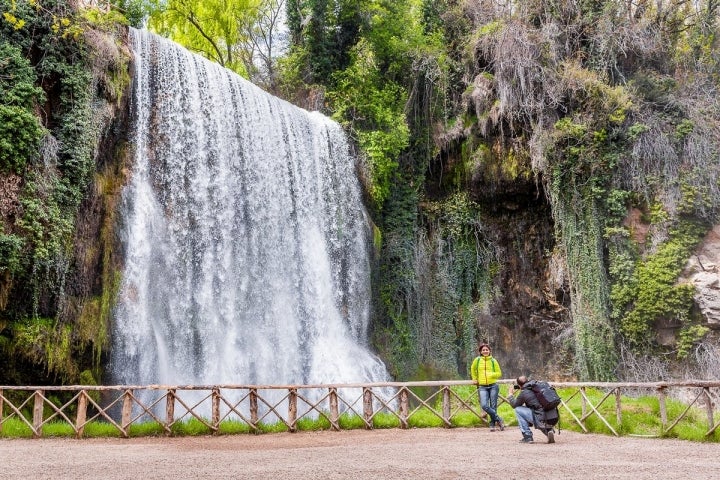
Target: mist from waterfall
x=246, y=244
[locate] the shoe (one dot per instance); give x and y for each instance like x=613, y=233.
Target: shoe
x=501, y=425
x=492, y=429
x=551, y=436
x=527, y=439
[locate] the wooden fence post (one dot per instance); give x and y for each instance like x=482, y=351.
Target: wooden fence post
x=215, y=423
x=663, y=408
x=583, y=404
x=334, y=411
x=292, y=409
x=169, y=410
x=126, y=412
x=367, y=407
x=253, y=408
x=404, y=407
x=2, y=398
x=709, y=408
x=81, y=414
x=618, y=407
x=38, y=414
x=446, y=405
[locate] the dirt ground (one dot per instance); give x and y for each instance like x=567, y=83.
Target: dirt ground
x=433, y=453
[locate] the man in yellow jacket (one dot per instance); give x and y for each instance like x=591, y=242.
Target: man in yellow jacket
x=485, y=370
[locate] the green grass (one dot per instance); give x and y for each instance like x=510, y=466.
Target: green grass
x=191, y=427
x=350, y=422
x=101, y=429
x=145, y=429
x=310, y=424
x=14, y=428
x=386, y=420
x=232, y=427
x=640, y=417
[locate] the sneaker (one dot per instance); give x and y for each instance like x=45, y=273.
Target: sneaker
x=551, y=436
x=501, y=425
x=492, y=429
x=527, y=440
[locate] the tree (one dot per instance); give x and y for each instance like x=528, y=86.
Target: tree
x=216, y=29
x=265, y=40
x=326, y=30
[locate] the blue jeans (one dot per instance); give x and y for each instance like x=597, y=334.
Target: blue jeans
x=525, y=418
x=488, y=395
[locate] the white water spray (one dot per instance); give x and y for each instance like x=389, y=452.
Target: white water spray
x=246, y=243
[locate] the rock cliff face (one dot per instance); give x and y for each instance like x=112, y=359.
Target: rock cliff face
x=55, y=307
x=524, y=314
x=703, y=272
x=529, y=314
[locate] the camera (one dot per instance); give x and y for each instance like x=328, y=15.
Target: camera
x=516, y=386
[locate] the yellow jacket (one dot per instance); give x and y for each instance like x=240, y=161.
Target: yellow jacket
x=485, y=370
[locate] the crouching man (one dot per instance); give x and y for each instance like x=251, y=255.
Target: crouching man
x=528, y=411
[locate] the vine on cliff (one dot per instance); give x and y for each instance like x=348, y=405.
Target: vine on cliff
x=51, y=36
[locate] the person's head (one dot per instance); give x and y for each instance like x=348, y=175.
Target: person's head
x=484, y=349
x=521, y=380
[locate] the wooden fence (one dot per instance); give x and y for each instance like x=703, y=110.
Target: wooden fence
x=122, y=406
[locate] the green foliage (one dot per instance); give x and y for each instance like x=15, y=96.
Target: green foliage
x=616, y=203
x=373, y=108
x=652, y=293
x=45, y=343
x=20, y=135
x=580, y=227
x=11, y=247
x=636, y=129
x=326, y=31
x=17, y=79
x=212, y=28
x=567, y=128
x=658, y=214
x=135, y=11
x=20, y=129
x=690, y=336
x=457, y=216
x=683, y=129
x=105, y=21
x=45, y=224
x=582, y=158
x=36, y=245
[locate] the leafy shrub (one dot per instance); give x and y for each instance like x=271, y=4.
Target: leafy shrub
x=20, y=129
x=10, y=250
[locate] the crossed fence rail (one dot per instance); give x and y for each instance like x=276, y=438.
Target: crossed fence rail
x=125, y=405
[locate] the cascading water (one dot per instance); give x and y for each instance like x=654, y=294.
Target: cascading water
x=246, y=243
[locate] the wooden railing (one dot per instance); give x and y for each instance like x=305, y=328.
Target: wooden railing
x=255, y=405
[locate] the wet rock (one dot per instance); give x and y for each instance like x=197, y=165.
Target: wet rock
x=702, y=271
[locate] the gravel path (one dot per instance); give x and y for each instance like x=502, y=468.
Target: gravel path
x=432, y=453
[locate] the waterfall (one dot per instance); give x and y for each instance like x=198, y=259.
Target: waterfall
x=246, y=244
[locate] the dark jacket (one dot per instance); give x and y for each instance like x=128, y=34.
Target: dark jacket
x=527, y=398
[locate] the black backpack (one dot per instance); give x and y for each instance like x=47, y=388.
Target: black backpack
x=546, y=395
x=549, y=399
